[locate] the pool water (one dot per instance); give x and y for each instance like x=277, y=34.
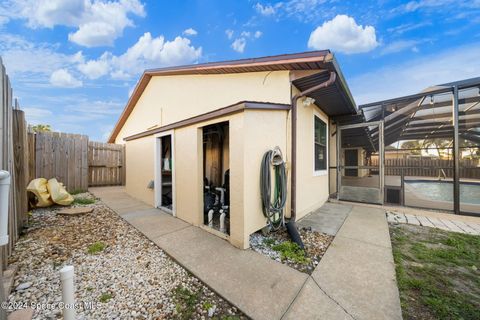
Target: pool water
x=443, y=191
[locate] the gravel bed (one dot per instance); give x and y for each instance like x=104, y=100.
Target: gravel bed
x=131, y=278
x=316, y=244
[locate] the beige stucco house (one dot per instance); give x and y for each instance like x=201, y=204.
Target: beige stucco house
x=190, y=127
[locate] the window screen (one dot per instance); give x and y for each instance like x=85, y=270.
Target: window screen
x=320, y=152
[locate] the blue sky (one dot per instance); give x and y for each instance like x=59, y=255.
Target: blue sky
x=74, y=63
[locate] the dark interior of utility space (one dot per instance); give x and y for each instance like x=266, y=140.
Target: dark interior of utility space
x=167, y=171
x=216, y=173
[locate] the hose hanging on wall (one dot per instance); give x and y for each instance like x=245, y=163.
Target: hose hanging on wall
x=273, y=206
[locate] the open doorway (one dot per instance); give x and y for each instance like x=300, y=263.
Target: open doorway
x=165, y=173
x=216, y=173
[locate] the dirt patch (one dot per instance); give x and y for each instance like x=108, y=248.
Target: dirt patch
x=437, y=272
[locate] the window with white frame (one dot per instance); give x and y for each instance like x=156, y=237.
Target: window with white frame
x=320, y=145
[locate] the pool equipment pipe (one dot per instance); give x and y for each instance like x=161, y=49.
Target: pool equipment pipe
x=4, y=193
x=68, y=291
x=210, y=218
x=222, y=195
x=273, y=205
x=222, y=221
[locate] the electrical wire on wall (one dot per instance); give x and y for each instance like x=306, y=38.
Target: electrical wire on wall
x=273, y=205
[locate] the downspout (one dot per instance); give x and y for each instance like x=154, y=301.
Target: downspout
x=330, y=81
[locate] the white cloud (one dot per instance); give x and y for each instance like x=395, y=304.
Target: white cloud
x=229, y=33
x=416, y=74
x=239, y=45
x=64, y=79
x=94, y=69
x=97, y=22
x=190, y=32
x=37, y=115
x=267, y=10
x=343, y=34
x=398, y=46
x=147, y=52
x=24, y=57
x=303, y=10
x=258, y=34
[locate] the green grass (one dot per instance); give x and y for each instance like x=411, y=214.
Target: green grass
x=185, y=302
x=105, y=297
x=291, y=251
x=77, y=191
x=269, y=242
x=437, y=273
x=96, y=247
x=83, y=201
x=207, y=305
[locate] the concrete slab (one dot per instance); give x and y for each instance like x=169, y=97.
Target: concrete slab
x=411, y=219
x=360, y=277
x=474, y=226
x=313, y=303
x=466, y=227
x=452, y=226
x=259, y=286
x=327, y=219
x=154, y=223
x=367, y=225
x=21, y=314
x=425, y=222
x=438, y=224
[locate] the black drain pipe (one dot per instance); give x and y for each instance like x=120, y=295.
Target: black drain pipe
x=291, y=225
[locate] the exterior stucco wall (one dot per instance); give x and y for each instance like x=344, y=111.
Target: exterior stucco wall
x=140, y=171
x=263, y=131
x=251, y=133
x=168, y=99
x=312, y=188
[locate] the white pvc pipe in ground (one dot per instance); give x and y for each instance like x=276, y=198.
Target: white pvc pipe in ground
x=68, y=291
x=4, y=193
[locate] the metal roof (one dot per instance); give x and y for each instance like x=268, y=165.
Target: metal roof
x=337, y=99
x=423, y=116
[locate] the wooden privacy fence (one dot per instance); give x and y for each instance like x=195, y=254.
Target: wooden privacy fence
x=62, y=156
x=430, y=167
x=106, y=164
x=14, y=159
x=77, y=162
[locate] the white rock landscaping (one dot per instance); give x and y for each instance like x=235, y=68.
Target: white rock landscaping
x=119, y=274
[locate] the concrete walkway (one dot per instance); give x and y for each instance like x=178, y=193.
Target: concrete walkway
x=448, y=222
x=354, y=280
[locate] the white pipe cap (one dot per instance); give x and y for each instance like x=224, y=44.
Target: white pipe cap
x=66, y=273
x=4, y=177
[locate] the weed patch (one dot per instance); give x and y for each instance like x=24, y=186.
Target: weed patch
x=83, y=201
x=96, y=247
x=185, y=302
x=291, y=251
x=105, y=297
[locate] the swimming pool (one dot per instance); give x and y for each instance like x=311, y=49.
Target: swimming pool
x=443, y=190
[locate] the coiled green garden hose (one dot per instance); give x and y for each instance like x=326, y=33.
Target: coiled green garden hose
x=273, y=207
